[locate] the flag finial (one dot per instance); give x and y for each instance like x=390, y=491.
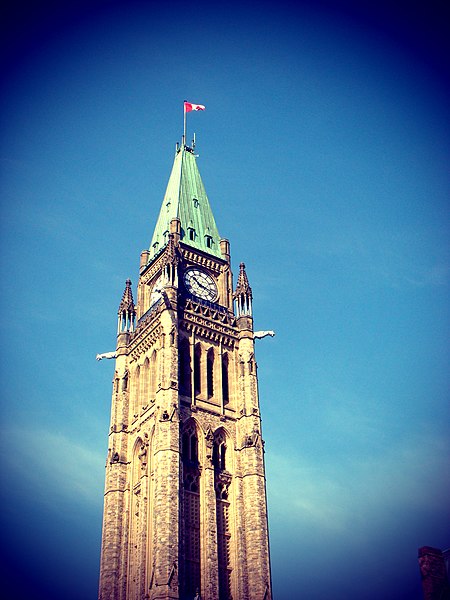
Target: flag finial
x=188, y=107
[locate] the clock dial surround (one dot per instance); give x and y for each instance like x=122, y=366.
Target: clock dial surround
x=156, y=290
x=200, y=284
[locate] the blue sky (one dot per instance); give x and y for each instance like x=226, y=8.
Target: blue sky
x=324, y=151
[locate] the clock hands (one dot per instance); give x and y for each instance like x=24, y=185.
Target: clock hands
x=200, y=284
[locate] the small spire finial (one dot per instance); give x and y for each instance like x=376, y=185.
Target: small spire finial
x=127, y=310
x=243, y=294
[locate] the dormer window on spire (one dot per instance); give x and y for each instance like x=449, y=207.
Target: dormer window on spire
x=186, y=199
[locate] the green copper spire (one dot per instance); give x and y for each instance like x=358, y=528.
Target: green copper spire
x=186, y=199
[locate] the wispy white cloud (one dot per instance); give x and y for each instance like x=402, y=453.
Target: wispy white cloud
x=360, y=493
x=53, y=465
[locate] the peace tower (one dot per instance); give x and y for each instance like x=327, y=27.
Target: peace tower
x=185, y=511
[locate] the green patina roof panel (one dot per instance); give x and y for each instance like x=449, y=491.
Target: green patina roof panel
x=186, y=199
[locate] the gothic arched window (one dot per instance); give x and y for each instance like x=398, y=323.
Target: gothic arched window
x=190, y=559
x=222, y=481
x=210, y=372
x=219, y=451
x=189, y=444
x=138, y=517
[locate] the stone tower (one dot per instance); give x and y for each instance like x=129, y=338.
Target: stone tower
x=185, y=511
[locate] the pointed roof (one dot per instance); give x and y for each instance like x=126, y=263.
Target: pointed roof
x=127, y=303
x=243, y=286
x=186, y=199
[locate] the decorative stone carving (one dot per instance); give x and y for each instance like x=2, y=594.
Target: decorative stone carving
x=209, y=437
x=252, y=438
x=142, y=455
x=125, y=381
x=222, y=483
x=193, y=257
x=144, y=339
x=262, y=334
x=173, y=579
x=165, y=416
x=209, y=441
x=171, y=254
x=105, y=355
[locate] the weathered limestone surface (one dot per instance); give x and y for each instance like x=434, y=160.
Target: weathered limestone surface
x=185, y=495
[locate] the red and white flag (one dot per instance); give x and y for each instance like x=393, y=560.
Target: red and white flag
x=188, y=106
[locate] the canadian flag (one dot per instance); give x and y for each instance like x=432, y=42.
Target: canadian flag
x=188, y=106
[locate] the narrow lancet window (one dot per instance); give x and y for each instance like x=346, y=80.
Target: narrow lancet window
x=190, y=563
x=225, y=385
x=219, y=452
x=185, y=368
x=210, y=372
x=136, y=391
x=138, y=523
x=152, y=377
x=222, y=481
x=197, y=370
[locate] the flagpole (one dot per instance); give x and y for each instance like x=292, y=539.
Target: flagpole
x=184, y=125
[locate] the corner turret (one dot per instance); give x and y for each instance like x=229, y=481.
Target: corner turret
x=126, y=315
x=243, y=295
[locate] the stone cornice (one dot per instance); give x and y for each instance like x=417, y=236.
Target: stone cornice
x=195, y=257
x=152, y=269
x=146, y=334
x=209, y=322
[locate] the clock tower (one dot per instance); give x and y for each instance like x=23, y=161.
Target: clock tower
x=185, y=514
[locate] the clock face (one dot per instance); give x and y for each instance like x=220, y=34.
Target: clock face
x=200, y=284
x=156, y=290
